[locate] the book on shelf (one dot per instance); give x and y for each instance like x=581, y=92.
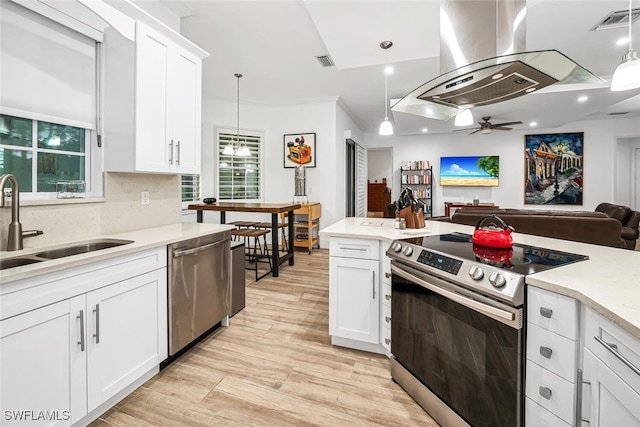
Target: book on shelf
x=411, y=165
x=416, y=179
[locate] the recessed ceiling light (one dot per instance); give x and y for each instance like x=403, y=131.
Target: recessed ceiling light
x=424, y=129
x=533, y=124
x=531, y=89
x=622, y=41
x=582, y=98
x=429, y=111
x=389, y=69
x=497, y=76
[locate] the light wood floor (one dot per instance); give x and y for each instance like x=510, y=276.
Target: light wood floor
x=274, y=366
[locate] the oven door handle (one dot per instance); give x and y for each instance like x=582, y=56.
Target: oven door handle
x=461, y=299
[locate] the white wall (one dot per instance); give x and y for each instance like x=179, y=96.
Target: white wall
x=380, y=165
x=599, y=161
x=625, y=168
x=324, y=182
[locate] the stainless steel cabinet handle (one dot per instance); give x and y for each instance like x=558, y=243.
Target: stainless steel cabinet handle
x=97, y=334
x=387, y=319
x=81, y=342
x=546, y=351
x=579, y=395
x=545, y=392
x=178, y=156
x=387, y=297
x=387, y=275
x=171, y=152
x=614, y=350
x=387, y=340
x=546, y=312
x=346, y=248
x=373, y=284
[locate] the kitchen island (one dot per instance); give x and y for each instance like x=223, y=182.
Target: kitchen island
x=581, y=321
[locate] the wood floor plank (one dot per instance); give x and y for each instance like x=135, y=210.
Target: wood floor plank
x=274, y=366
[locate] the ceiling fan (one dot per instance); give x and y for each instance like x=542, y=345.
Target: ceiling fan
x=487, y=127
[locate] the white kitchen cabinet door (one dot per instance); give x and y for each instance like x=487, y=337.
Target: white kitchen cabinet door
x=43, y=365
x=126, y=323
x=153, y=144
x=354, y=294
x=186, y=110
x=608, y=400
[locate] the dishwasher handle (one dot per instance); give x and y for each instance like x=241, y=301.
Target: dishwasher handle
x=195, y=250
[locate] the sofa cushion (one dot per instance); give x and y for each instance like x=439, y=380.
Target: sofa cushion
x=619, y=212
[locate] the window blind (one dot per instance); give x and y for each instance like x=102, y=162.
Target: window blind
x=48, y=70
x=239, y=177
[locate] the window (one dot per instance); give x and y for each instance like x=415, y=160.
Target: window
x=190, y=188
x=239, y=177
x=41, y=154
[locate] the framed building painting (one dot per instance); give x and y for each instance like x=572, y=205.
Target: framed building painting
x=553, y=169
x=300, y=149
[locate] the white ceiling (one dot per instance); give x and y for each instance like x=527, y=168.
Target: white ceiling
x=274, y=44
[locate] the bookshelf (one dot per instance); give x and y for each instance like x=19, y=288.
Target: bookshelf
x=418, y=175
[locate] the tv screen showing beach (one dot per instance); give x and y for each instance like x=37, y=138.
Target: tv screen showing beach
x=474, y=171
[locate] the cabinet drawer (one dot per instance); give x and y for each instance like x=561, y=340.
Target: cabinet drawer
x=536, y=416
x=354, y=248
x=614, y=344
x=386, y=337
x=552, y=351
x=386, y=294
x=550, y=391
x=557, y=313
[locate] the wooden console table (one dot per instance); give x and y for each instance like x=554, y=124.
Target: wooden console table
x=450, y=208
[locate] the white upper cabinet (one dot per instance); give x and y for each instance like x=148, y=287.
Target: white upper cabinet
x=153, y=104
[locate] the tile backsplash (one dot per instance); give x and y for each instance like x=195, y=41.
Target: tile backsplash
x=120, y=212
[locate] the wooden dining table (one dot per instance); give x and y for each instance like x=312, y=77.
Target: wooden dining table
x=275, y=209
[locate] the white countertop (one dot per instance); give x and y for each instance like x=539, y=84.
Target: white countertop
x=608, y=282
x=142, y=239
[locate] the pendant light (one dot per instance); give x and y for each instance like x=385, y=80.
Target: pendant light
x=242, y=149
x=627, y=75
x=386, y=128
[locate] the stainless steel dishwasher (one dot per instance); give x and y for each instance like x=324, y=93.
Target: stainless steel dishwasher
x=198, y=287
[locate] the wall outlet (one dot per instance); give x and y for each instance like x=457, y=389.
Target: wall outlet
x=144, y=197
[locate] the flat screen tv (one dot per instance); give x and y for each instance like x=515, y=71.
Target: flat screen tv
x=470, y=171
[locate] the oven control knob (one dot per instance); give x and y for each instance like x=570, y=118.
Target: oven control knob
x=497, y=280
x=408, y=251
x=397, y=247
x=476, y=273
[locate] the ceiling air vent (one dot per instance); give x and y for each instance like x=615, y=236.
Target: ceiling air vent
x=325, y=60
x=617, y=19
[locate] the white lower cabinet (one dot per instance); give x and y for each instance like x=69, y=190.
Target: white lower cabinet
x=353, y=299
x=61, y=361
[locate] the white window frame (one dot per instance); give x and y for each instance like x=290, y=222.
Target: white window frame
x=196, y=199
x=91, y=178
x=251, y=133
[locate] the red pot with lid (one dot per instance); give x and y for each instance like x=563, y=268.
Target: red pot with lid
x=492, y=232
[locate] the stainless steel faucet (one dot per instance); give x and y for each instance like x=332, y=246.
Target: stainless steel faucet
x=16, y=234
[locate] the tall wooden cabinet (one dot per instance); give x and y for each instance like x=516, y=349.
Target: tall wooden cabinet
x=153, y=103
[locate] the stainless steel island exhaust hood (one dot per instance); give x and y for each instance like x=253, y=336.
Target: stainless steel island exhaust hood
x=472, y=31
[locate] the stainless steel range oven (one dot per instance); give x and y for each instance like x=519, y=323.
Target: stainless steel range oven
x=458, y=326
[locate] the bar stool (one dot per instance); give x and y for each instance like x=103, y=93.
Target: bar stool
x=282, y=226
x=259, y=253
x=242, y=224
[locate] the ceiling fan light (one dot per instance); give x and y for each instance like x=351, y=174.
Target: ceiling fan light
x=627, y=75
x=464, y=118
x=386, y=128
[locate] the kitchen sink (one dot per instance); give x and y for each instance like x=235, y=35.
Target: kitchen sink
x=82, y=248
x=17, y=262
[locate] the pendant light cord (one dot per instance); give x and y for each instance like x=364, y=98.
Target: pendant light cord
x=630, y=16
x=238, y=75
x=386, y=77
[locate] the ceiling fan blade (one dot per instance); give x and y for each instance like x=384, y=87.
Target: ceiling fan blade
x=475, y=131
x=501, y=128
x=506, y=124
x=460, y=130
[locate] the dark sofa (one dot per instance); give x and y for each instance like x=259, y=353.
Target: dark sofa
x=629, y=219
x=579, y=226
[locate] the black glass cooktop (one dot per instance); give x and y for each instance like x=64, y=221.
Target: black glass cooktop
x=521, y=259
